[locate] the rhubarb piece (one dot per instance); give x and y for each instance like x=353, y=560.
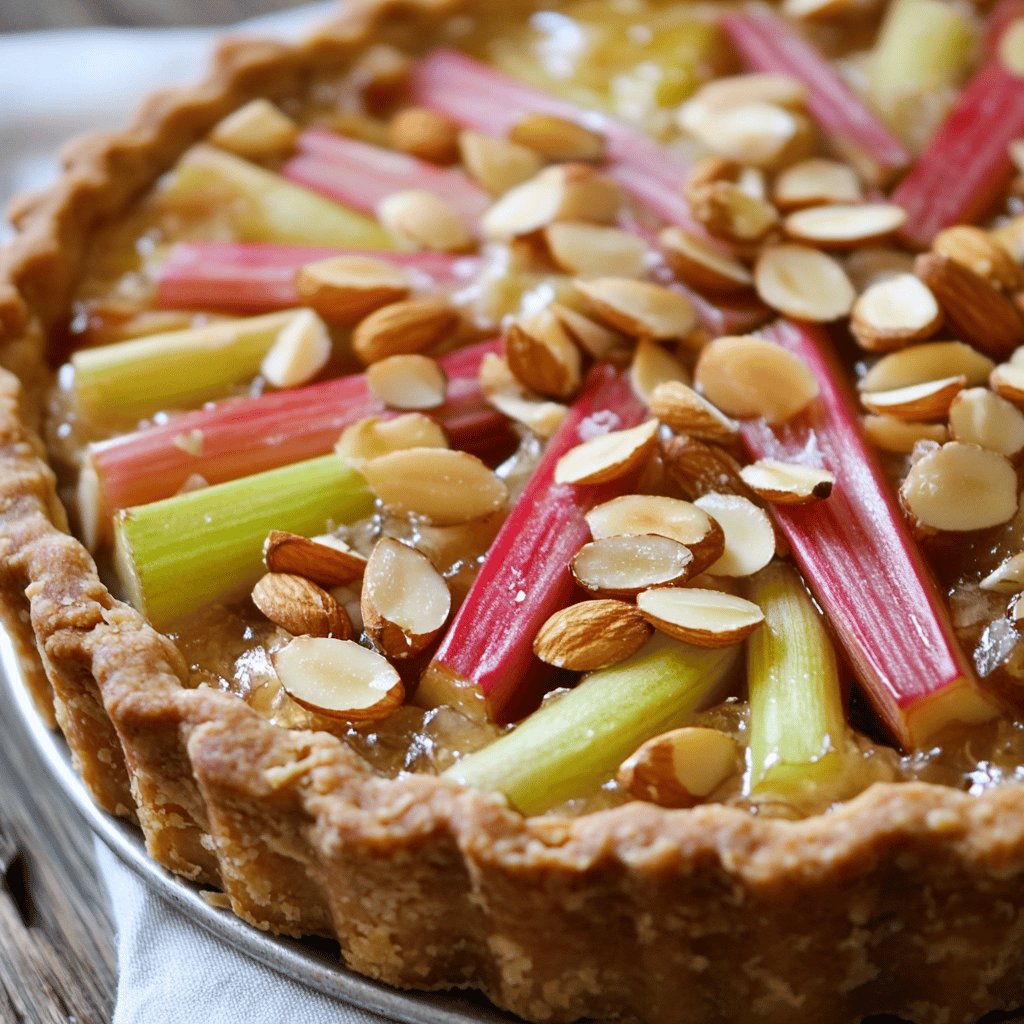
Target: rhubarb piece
x=797, y=721
x=573, y=745
x=767, y=42
x=267, y=208
x=591, y=635
x=705, y=618
x=625, y=564
x=300, y=607
x=787, y=483
x=865, y=570
x=749, y=539
x=525, y=578
x=661, y=198
x=176, y=555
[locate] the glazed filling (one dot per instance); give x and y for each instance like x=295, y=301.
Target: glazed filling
x=492, y=407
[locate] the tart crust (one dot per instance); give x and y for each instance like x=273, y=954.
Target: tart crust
x=908, y=899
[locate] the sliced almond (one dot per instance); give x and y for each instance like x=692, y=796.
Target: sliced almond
x=591, y=635
x=900, y=437
x=702, y=266
x=607, y=456
x=682, y=521
x=344, y=289
x=749, y=537
x=300, y=607
x=622, y=566
x=893, y=312
x=979, y=417
x=705, y=618
x=932, y=361
x=787, y=483
x=381, y=76
x=446, y=487
x=1007, y=380
x=506, y=394
x=1011, y=47
x=803, y=283
x=542, y=355
x=686, y=412
x=844, y=225
x=1015, y=610
x=758, y=133
x=960, y=487
x=652, y=366
x=680, y=768
x=324, y=560
x=407, y=382
x=595, y=339
x=708, y=171
x=405, y=601
x=339, y=679
x=256, y=131
x=425, y=221
x=497, y=164
x=640, y=308
x=403, y=328
x=697, y=467
x=928, y=401
x=593, y=249
x=818, y=10
x=1007, y=578
x=557, y=139
x=729, y=212
x=371, y=437
x=979, y=252
x=756, y=87
x=748, y=376
x=562, y=192
x=426, y=134
x=300, y=351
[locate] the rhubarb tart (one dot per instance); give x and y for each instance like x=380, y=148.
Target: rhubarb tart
x=532, y=491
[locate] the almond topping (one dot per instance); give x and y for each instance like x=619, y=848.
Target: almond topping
x=749, y=537
x=697, y=468
x=541, y=354
x=403, y=328
x=607, y=456
x=591, y=635
x=1015, y=611
x=497, y=164
x=299, y=352
x=371, y=437
x=425, y=134
x=758, y=133
x=1007, y=380
x=978, y=251
x=872, y=264
x=622, y=566
x=817, y=10
x=931, y=361
x=424, y=220
x=682, y=409
x=591, y=249
x=787, y=483
x=299, y=606
x=893, y=312
x=730, y=212
x=747, y=376
x=653, y=366
x=900, y=437
x=979, y=417
x=447, y=487
x=324, y=560
x=758, y=87
x=706, y=618
x=339, y=679
x=595, y=339
x=1011, y=47
x=700, y=265
x=680, y=768
x=803, y=283
x=960, y=487
x=344, y=289
x=640, y=308
x=844, y=225
x=407, y=382
x=256, y=131
x=928, y=401
x=1007, y=578
x=405, y=601
x=557, y=139
x=504, y=393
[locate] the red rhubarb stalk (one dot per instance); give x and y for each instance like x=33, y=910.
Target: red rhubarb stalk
x=257, y=277
x=866, y=571
x=525, y=577
x=767, y=42
x=999, y=19
x=240, y=437
x=360, y=175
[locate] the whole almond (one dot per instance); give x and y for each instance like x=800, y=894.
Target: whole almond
x=977, y=250
x=403, y=328
x=300, y=607
x=699, y=468
x=426, y=134
x=324, y=561
x=591, y=635
x=542, y=355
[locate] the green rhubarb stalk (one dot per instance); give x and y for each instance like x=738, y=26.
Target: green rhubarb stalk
x=797, y=720
x=176, y=555
x=576, y=742
x=268, y=208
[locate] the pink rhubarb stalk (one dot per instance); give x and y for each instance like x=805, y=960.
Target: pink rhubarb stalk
x=258, y=277
x=525, y=577
x=767, y=42
x=857, y=554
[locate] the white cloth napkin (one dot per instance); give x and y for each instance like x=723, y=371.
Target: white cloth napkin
x=171, y=971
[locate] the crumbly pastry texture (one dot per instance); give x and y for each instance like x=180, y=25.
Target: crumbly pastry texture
x=908, y=899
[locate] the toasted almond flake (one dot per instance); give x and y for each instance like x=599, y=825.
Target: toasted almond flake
x=686, y=412
x=1007, y=380
x=426, y=134
x=607, y=456
x=787, y=483
x=593, y=249
x=506, y=394
x=339, y=679
x=407, y=382
x=754, y=87
x=562, y=192
x=748, y=376
x=979, y=252
x=933, y=360
x=324, y=560
x=446, y=487
x=299, y=353
x=758, y=133
x=424, y=220
x=749, y=537
x=803, y=283
x=754, y=182
x=497, y=164
x=893, y=312
x=817, y=10
x=557, y=139
x=706, y=618
x=591, y=635
x=682, y=521
x=1015, y=612
x=700, y=265
x=680, y=768
x=595, y=339
x=697, y=467
x=900, y=437
x=404, y=328
x=371, y=437
x=1007, y=577
x=622, y=566
x=639, y=308
x=300, y=607
x=874, y=263
x=344, y=289
x=1011, y=47
x=256, y=131
x=928, y=401
x=543, y=356
x=844, y=225
x=652, y=366
x=729, y=212
x=190, y=442
x=977, y=416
